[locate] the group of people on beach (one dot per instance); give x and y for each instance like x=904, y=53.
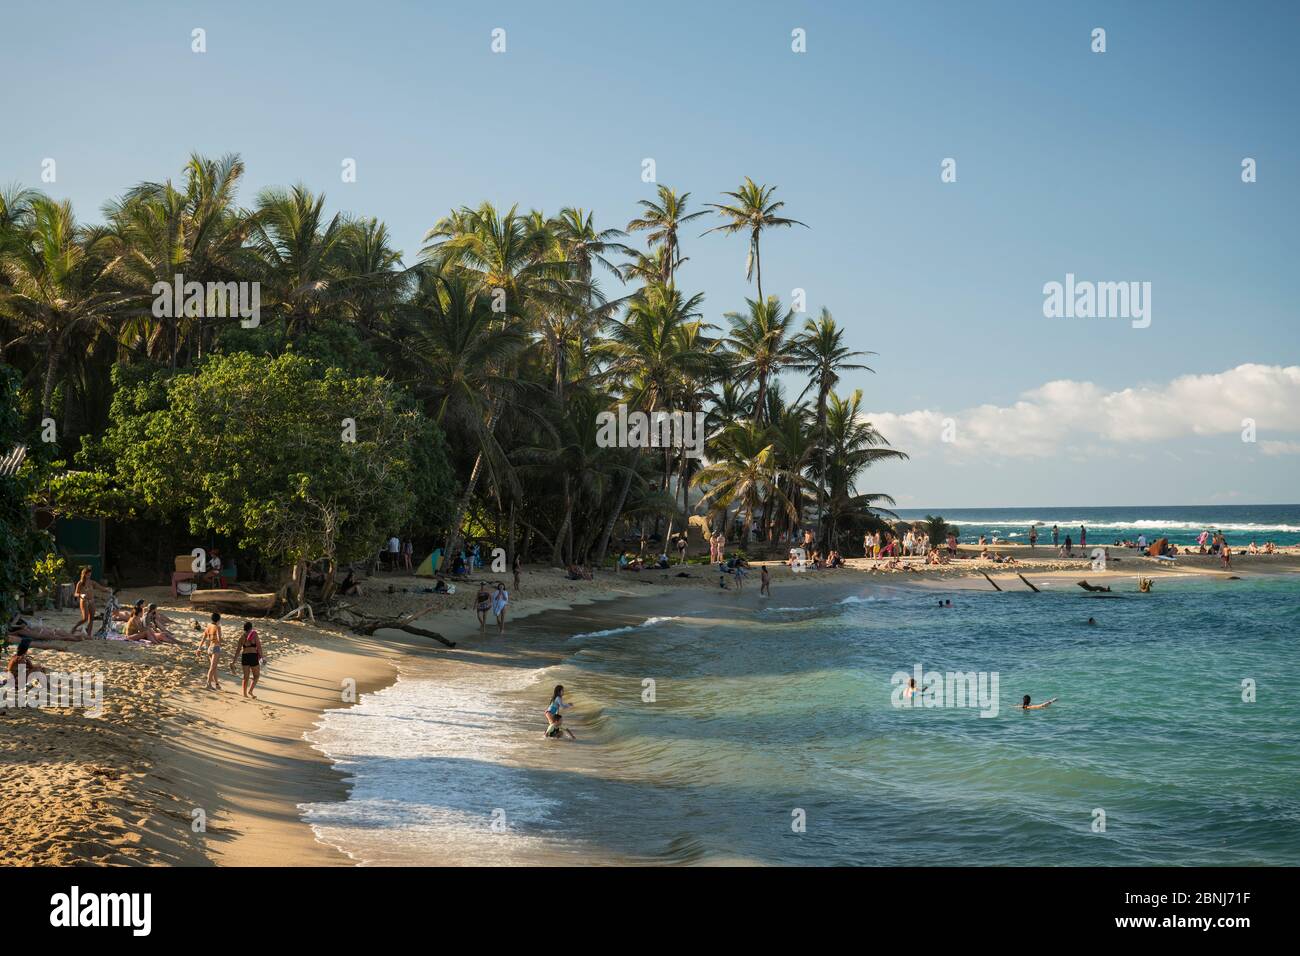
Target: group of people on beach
x=495, y=601
x=249, y=654
x=135, y=623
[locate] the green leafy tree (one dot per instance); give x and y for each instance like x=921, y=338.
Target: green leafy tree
x=262, y=450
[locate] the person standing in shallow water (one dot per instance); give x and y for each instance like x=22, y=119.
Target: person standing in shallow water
x=1083, y=536
x=765, y=583
x=555, y=719
x=1056, y=536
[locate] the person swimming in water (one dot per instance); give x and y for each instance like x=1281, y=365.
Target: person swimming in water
x=1026, y=705
x=911, y=690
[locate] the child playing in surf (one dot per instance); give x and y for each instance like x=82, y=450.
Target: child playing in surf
x=554, y=719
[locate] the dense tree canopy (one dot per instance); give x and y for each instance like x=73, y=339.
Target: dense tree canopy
x=474, y=374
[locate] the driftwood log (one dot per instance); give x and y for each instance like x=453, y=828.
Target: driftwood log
x=1026, y=580
x=991, y=581
x=1092, y=587
x=366, y=624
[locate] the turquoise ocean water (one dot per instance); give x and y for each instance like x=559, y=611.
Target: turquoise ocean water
x=1240, y=524
x=765, y=716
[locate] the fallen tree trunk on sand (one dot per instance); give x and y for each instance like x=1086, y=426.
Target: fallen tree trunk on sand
x=991, y=581
x=1026, y=580
x=234, y=601
x=365, y=624
x=1091, y=587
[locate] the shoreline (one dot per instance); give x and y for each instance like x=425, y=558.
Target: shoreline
x=259, y=792
x=127, y=788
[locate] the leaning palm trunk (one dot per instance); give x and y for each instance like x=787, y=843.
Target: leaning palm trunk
x=821, y=478
x=462, y=506
x=561, y=536
x=618, y=510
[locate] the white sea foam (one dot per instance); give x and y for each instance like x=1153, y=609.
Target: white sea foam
x=433, y=778
x=648, y=622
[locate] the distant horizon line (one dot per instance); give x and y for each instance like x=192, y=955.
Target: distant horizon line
x=1235, y=504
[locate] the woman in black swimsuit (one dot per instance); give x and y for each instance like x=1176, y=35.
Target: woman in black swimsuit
x=250, y=658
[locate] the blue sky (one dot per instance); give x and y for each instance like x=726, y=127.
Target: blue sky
x=1117, y=166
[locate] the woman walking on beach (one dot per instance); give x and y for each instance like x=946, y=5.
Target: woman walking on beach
x=1056, y=536
x=765, y=583
x=210, y=643
x=482, y=602
x=1033, y=536
x=85, y=594
x=1083, y=536
x=518, y=566
x=250, y=658
x=500, y=599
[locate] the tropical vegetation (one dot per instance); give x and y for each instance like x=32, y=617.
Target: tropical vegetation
x=472, y=377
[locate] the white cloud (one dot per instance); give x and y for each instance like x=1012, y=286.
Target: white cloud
x=1057, y=416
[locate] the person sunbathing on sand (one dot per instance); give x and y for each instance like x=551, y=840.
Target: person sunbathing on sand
x=135, y=629
x=153, y=624
x=25, y=630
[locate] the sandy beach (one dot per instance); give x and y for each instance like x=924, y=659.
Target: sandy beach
x=171, y=773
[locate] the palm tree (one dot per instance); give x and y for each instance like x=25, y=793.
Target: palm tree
x=745, y=472
x=514, y=263
x=752, y=210
x=662, y=219
x=821, y=355
x=15, y=225
x=854, y=445
x=761, y=346
x=511, y=253
x=370, y=274
x=159, y=231
x=650, y=351
x=297, y=246
x=59, y=286
x=570, y=323
x=464, y=351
